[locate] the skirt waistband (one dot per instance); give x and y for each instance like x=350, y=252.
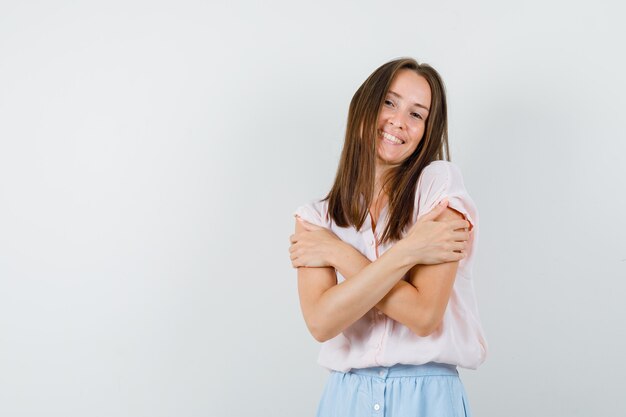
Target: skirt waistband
x=402, y=370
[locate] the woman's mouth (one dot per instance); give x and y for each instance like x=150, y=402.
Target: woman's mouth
x=391, y=139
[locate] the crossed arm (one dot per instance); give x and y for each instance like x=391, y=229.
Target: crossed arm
x=419, y=304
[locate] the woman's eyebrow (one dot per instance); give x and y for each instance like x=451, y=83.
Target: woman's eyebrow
x=393, y=93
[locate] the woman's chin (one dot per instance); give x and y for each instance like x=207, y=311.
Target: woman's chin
x=391, y=154
x=386, y=159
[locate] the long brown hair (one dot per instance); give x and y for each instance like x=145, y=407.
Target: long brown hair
x=353, y=190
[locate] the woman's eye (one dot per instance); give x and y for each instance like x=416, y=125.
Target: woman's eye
x=388, y=102
x=417, y=115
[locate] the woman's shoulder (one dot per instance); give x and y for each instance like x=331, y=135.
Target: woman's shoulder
x=440, y=174
x=443, y=179
x=315, y=211
x=441, y=168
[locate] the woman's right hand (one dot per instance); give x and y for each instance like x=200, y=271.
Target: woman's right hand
x=430, y=242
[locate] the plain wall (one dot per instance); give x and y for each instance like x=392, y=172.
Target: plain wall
x=152, y=154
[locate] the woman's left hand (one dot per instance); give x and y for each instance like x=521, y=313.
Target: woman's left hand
x=312, y=247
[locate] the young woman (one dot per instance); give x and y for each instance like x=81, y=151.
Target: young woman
x=385, y=259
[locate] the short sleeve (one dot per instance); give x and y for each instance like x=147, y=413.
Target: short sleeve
x=314, y=212
x=443, y=179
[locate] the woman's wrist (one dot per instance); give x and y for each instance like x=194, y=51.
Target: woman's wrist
x=337, y=251
x=407, y=255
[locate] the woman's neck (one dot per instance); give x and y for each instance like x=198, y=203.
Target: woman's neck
x=380, y=195
x=380, y=175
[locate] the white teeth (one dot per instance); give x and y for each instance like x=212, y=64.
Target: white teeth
x=392, y=138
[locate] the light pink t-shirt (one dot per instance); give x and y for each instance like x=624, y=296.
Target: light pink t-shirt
x=378, y=340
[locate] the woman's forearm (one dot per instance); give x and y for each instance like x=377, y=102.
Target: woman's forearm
x=332, y=307
x=402, y=303
x=343, y=304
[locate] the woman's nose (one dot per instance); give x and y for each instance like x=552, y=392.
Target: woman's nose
x=397, y=121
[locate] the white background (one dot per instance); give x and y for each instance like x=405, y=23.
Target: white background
x=152, y=154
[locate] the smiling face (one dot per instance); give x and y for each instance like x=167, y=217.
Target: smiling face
x=402, y=118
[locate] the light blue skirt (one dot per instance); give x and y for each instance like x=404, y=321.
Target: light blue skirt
x=429, y=390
